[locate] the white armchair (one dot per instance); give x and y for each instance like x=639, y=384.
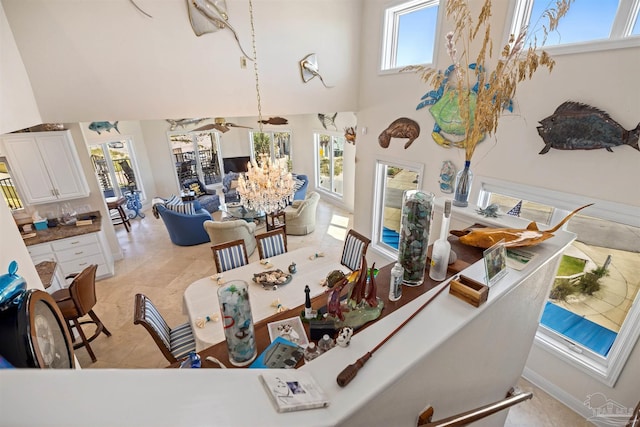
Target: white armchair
x=300, y=217
x=226, y=231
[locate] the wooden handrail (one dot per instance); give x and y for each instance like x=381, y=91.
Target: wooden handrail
x=467, y=417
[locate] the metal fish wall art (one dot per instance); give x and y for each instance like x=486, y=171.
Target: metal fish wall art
x=309, y=69
x=140, y=9
x=207, y=16
x=400, y=128
x=184, y=122
x=103, y=126
x=578, y=126
x=327, y=120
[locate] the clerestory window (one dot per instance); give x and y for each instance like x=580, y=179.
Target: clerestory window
x=409, y=34
x=589, y=25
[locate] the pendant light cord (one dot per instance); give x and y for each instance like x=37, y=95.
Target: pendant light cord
x=255, y=65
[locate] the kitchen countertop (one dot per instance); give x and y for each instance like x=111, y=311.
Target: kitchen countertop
x=45, y=270
x=65, y=231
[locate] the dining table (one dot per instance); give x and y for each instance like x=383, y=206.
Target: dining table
x=200, y=298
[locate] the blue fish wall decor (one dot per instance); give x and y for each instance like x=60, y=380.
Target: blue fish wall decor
x=103, y=126
x=577, y=126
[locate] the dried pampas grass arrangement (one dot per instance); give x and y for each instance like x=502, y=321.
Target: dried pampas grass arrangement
x=518, y=61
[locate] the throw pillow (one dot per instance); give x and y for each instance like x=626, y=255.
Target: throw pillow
x=196, y=188
x=297, y=184
x=172, y=199
x=233, y=185
x=177, y=205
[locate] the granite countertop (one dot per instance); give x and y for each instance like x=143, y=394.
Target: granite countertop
x=45, y=270
x=65, y=231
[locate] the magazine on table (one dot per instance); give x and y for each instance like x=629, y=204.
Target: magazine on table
x=293, y=390
x=281, y=353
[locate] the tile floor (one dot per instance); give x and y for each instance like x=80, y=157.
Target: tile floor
x=161, y=270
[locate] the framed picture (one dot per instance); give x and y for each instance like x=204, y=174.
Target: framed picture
x=495, y=262
x=290, y=329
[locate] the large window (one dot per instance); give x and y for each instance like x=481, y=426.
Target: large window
x=273, y=145
x=592, y=317
x=589, y=25
x=116, y=169
x=409, y=34
x=329, y=163
x=391, y=181
x=9, y=191
x=197, y=155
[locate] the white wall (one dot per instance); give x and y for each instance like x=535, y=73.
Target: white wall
x=603, y=79
x=104, y=60
x=13, y=249
x=18, y=107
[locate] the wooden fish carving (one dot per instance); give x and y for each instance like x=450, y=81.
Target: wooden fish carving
x=513, y=237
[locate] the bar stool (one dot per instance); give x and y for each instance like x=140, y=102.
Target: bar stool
x=119, y=217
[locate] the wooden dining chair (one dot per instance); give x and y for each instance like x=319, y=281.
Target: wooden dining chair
x=230, y=255
x=174, y=343
x=77, y=301
x=271, y=243
x=355, y=246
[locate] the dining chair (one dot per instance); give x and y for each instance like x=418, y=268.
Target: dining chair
x=174, y=343
x=271, y=243
x=355, y=246
x=230, y=255
x=77, y=301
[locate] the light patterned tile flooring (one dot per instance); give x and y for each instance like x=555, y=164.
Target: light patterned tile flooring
x=154, y=266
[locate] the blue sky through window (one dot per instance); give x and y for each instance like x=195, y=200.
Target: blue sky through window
x=416, y=34
x=586, y=20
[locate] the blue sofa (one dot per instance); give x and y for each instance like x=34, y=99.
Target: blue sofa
x=184, y=230
x=209, y=200
x=301, y=192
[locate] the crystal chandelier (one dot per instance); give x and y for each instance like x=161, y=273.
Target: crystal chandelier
x=266, y=187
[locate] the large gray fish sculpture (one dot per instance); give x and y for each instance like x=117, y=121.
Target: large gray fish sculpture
x=577, y=126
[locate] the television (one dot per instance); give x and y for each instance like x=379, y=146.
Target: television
x=235, y=164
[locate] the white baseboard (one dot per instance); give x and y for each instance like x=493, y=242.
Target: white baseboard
x=560, y=395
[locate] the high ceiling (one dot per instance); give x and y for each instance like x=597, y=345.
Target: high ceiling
x=105, y=60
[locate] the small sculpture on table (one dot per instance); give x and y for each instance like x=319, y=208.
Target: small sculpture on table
x=362, y=304
x=344, y=336
x=309, y=313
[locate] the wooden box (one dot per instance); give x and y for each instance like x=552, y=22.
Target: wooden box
x=469, y=290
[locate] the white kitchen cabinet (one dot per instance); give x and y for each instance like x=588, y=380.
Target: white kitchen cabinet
x=74, y=254
x=46, y=166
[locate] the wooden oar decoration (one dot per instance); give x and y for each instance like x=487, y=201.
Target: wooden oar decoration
x=351, y=371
